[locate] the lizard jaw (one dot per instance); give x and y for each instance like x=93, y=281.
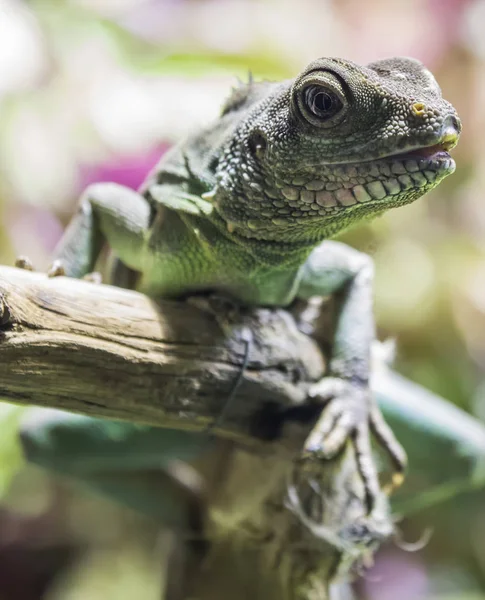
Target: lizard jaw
x=311, y=205
x=322, y=199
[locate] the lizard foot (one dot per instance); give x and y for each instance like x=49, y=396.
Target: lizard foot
x=24, y=262
x=351, y=413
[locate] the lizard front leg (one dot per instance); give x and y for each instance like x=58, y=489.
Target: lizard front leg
x=351, y=411
x=110, y=213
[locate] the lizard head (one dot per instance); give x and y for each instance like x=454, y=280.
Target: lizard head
x=338, y=144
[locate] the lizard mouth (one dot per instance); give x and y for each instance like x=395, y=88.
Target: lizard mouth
x=367, y=186
x=435, y=152
x=391, y=180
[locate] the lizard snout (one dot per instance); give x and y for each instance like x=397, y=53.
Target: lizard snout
x=450, y=132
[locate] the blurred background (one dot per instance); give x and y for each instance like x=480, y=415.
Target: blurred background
x=96, y=90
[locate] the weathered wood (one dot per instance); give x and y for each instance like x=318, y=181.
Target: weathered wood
x=107, y=352
x=283, y=531
x=277, y=529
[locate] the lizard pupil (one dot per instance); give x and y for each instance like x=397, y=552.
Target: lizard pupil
x=321, y=102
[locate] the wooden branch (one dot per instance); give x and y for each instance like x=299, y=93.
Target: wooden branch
x=108, y=352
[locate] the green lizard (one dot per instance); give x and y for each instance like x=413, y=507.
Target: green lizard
x=246, y=208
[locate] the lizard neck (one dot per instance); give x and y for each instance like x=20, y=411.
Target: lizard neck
x=274, y=253
x=195, y=253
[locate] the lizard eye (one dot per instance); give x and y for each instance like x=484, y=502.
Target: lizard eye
x=322, y=102
x=321, y=99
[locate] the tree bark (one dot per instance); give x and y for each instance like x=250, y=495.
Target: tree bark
x=278, y=527
x=107, y=352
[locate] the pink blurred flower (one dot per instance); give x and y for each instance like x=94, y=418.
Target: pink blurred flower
x=396, y=576
x=426, y=30
x=129, y=171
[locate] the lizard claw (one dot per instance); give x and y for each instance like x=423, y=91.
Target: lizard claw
x=351, y=414
x=56, y=269
x=24, y=262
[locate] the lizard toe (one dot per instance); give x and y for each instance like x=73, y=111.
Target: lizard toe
x=56, y=269
x=388, y=441
x=331, y=433
x=365, y=465
x=24, y=262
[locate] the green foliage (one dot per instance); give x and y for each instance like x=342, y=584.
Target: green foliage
x=11, y=459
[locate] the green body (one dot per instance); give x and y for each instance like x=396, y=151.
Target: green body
x=246, y=207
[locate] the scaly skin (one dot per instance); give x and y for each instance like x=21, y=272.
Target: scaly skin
x=243, y=208
x=316, y=178
x=304, y=183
